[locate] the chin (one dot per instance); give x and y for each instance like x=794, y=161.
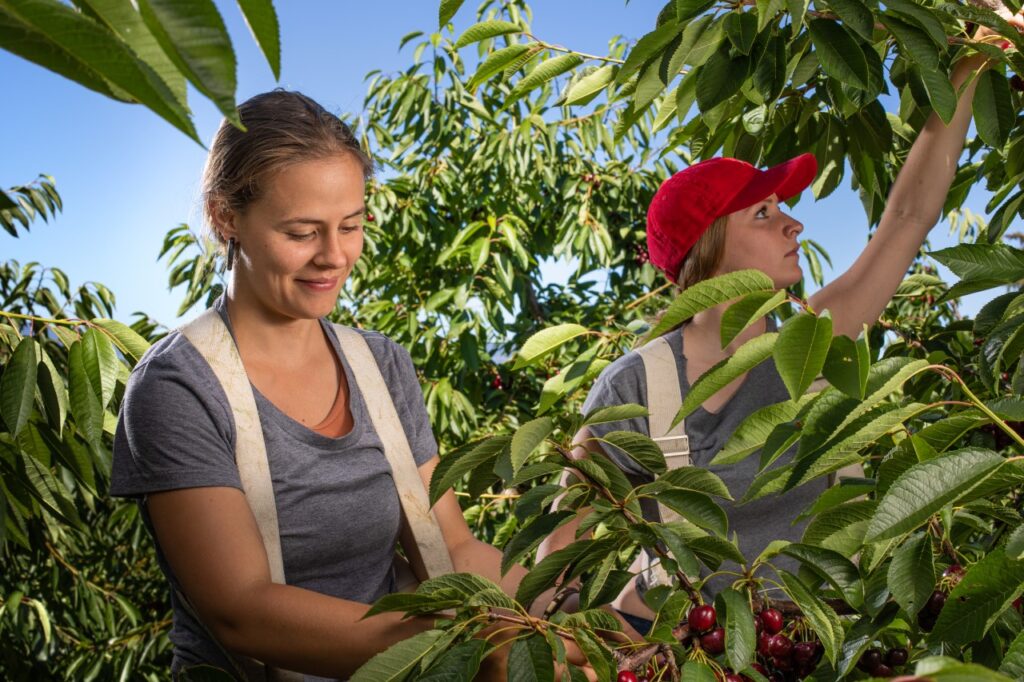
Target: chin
x=788, y=280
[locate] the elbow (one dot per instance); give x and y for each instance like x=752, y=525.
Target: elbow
x=233, y=622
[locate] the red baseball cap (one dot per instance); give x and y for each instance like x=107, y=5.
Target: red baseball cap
x=686, y=204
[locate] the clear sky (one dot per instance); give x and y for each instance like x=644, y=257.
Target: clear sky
x=126, y=176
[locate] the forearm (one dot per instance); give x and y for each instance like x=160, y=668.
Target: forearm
x=920, y=189
x=297, y=629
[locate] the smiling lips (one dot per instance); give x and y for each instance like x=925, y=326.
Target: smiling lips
x=320, y=284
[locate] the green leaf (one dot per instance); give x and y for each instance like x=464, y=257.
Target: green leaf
x=127, y=339
x=925, y=488
x=983, y=261
x=856, y=16
x=614, y=413
x=986, y=590
x=414, y=604
x=741, y=29
x=446, y=11
x=85, y=402
x=100, y=363
x=696, y=479
x=747, y=311
x=546, y=341
x=740, y=634
x=1015, y=543
x=708, y=294
x=396, y=662
x=696, y=508
x=531, y=535
x=687, y=9
x=695, y=671
x=18, y=386
x=546, y=571
x=801, y=350
x=496, y=62
x=841, y=528
x=840, y=55
x=882, y=384
x=753, y=432
x=527, y=438
x=940, y=93
x=588, y=86
x=55, y=36
x=485, y=30
x=640, y=448
x=832, y=567
x=720, y=78
x=459, y=662
x=121, y=18
x=820, y=616
x=646, y=48
x=193, y=35
x=544, y=72
x=1013, y=661
x=847, y=365
x=262, y=21
x=994, y=113
x=917, y=46
x=746, y=357
x=531, y=660
x=946, y=669
x=453, y=466
x=911, y=574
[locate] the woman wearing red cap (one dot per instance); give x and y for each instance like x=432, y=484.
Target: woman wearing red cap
x=723, y=215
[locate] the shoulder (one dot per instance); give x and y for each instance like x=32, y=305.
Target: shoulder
x=623, y=381
x=391, y=357
x=174, y=378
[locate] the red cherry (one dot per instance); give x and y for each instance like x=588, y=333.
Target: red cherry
x=926, y=621
x=763, y=640
x=772, y=620
x=780, y=646
x=759, y=668
x=733, y=677
x=370, y=218
x=627, y=676
x=870, y=659
x=897, y=657
x=953, y=569
x=702, y=618
x=881, y=670
x=935, y=603
x=803, y=652
x=1018, y=604
x=714, y=641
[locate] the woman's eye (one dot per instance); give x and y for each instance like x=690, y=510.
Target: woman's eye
x=762, y=212
x=301, y=236
x=351, y=228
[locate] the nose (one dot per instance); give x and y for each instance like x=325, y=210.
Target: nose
x=792, y=227
x=331, y=254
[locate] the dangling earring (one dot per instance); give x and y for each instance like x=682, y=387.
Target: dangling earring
x=231, y=253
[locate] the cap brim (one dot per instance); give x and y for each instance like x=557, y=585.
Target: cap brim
x=785, y=181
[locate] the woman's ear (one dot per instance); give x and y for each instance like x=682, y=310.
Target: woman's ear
x=222, y=218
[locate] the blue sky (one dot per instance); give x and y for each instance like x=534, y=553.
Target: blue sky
x=127, y=177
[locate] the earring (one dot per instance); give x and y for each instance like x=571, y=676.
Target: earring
x=231, y=253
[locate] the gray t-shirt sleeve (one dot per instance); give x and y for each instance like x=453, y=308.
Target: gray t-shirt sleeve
x=400, y=376
x=175, y=430
x=621, y=383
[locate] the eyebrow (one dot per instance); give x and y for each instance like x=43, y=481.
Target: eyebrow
x=316, y=221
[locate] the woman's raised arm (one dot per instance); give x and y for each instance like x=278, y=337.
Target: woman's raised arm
x=859, y=295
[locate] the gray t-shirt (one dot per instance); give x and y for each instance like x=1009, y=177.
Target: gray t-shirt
x=757, y=523
x=338, y=510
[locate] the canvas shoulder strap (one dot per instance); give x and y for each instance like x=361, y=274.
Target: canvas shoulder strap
x=211, y=338
x=664, y=398
x=433, y=553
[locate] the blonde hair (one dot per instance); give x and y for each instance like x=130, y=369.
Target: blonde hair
x=705, y=256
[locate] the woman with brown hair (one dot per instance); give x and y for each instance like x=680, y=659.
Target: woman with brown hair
x=287, y=198
x=723, y=215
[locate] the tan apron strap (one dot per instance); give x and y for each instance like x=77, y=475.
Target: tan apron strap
x=413, y=495
x=211, y=337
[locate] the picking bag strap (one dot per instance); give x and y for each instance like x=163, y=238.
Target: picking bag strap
x=415, y=504
x=664, y=398
x=211, y=337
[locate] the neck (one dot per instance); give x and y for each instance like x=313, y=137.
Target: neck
x=704, y=332
x=261, y=332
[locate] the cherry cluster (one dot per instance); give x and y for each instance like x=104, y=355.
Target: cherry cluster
x=781, y=658
x=878, y=664
x=641, y=256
